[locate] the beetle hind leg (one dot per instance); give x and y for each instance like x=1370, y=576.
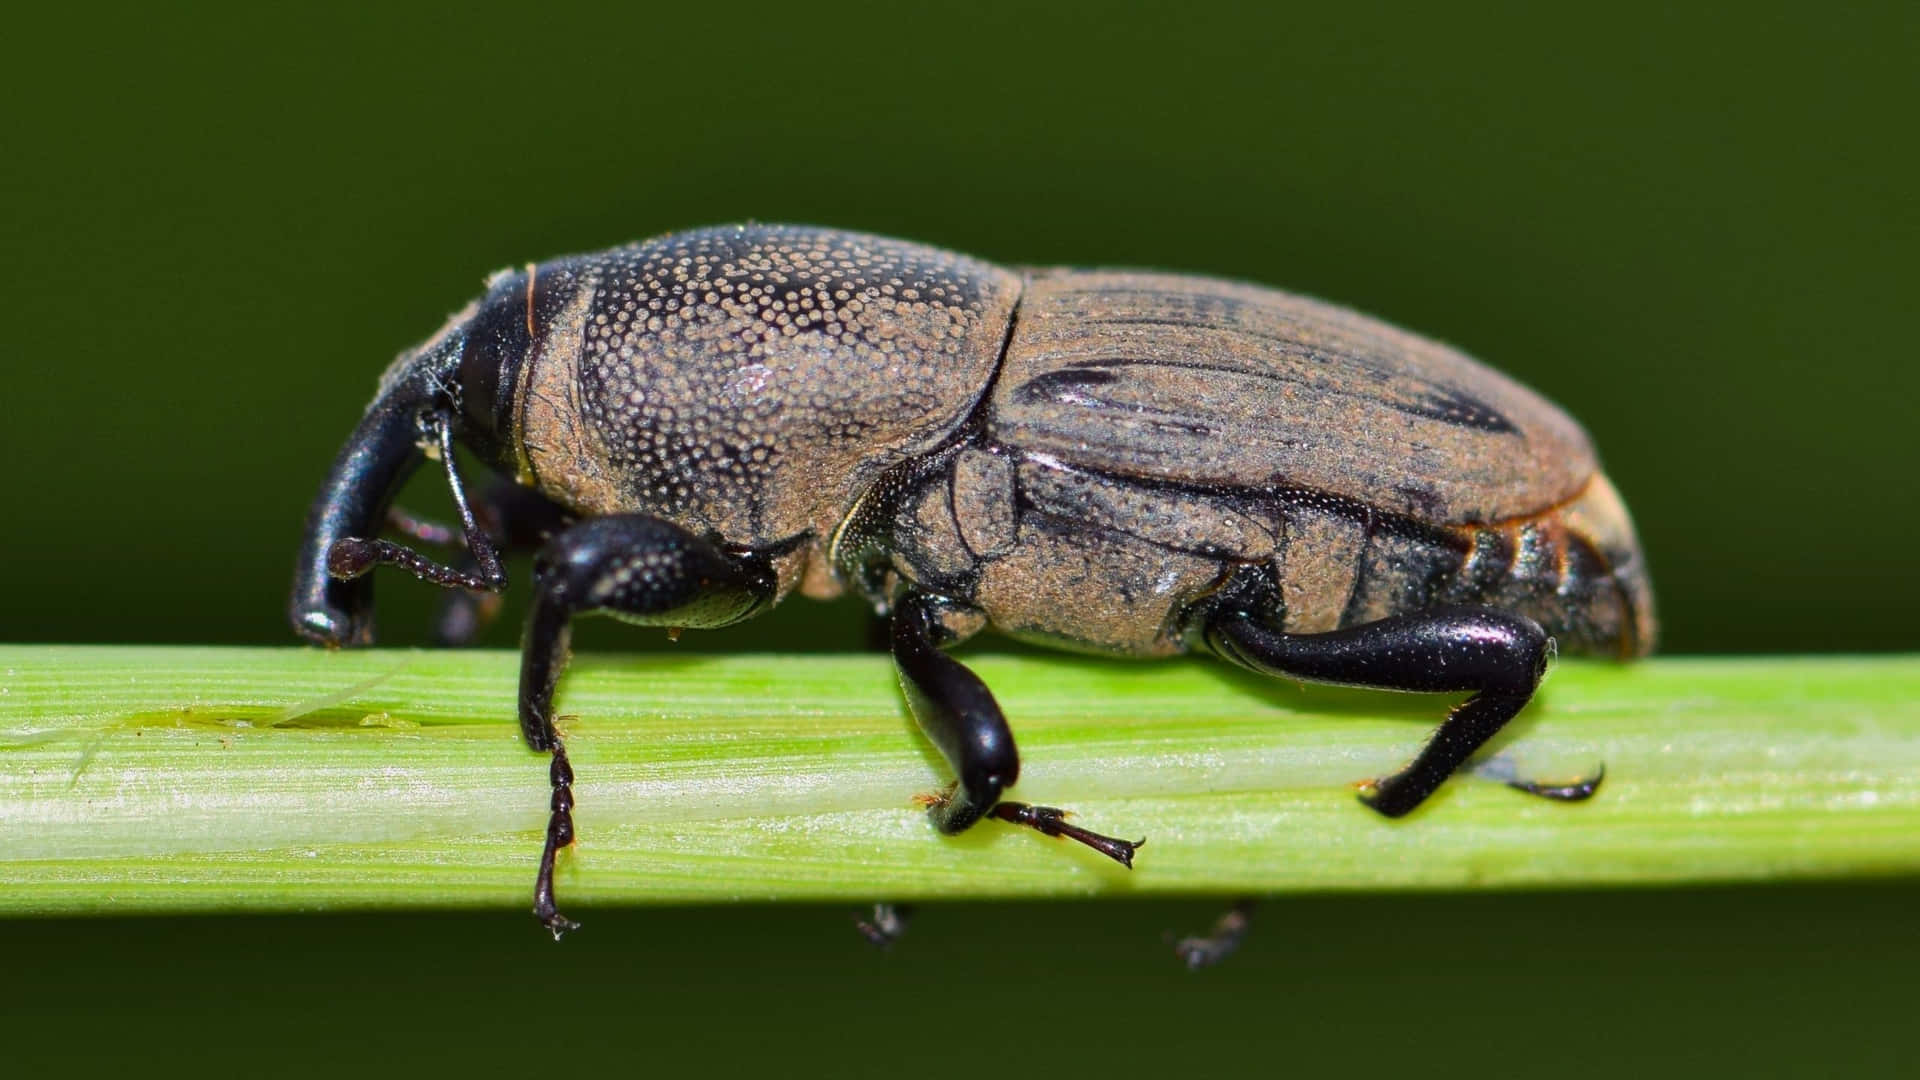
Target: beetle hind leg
x=959, y=715
x=1499, y=655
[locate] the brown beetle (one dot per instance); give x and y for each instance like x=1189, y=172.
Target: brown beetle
x=1125, y=463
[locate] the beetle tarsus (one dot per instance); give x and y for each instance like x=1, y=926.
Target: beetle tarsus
x=1578, y=790
x=1051, y=821
x=1202, y=951
x=559, y=835
x=1501, y=768
x=515, y=518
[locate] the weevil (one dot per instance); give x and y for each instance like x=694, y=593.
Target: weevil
x=697, y=426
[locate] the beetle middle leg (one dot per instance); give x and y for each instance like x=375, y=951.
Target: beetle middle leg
x=957, y=712
x=638, y=569
x=1499, y=655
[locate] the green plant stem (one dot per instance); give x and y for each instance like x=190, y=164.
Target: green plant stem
x=165, y=779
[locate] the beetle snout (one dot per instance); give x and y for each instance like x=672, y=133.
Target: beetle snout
x=334, y=611
x=383, y=450
x=332, y=627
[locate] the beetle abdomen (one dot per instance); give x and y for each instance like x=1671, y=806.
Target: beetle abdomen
x=1115, y=565
x=1341, y=565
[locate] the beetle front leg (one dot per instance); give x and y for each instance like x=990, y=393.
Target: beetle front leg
x=1499, y=655
x=638, y=569
x=514, y=517
x=957, y=712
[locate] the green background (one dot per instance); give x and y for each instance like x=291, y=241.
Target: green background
x=1695, y=229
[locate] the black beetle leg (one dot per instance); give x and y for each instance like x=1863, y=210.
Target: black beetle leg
x=638, y=569
x=959, y=715
x=514, y=517
x=352, y=556
x=1497, y=654
x=463, y=614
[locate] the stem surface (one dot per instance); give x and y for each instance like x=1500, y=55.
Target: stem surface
x=173, y=779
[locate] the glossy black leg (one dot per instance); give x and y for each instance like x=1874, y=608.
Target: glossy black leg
x=514, y=517
x=959, y=715
x=1499, y=655
x=559, y=835
x=1052, y=821
x=463, y=615
x=638, y=569
x=957, y=712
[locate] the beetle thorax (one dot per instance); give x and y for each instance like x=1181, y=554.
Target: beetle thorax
x=752, y=382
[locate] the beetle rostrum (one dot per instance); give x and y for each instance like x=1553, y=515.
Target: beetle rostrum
x=690, y=428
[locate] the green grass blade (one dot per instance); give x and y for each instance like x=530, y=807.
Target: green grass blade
x=156, y=779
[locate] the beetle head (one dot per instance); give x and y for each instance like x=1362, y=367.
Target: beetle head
x=377, y=459
x=466, y=371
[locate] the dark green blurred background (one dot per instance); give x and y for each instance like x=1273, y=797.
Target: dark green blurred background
x=1694, y=229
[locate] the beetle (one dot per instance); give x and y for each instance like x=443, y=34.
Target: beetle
x=699, y=425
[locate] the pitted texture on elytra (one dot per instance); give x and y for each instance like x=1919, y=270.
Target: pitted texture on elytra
x=752, y=380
